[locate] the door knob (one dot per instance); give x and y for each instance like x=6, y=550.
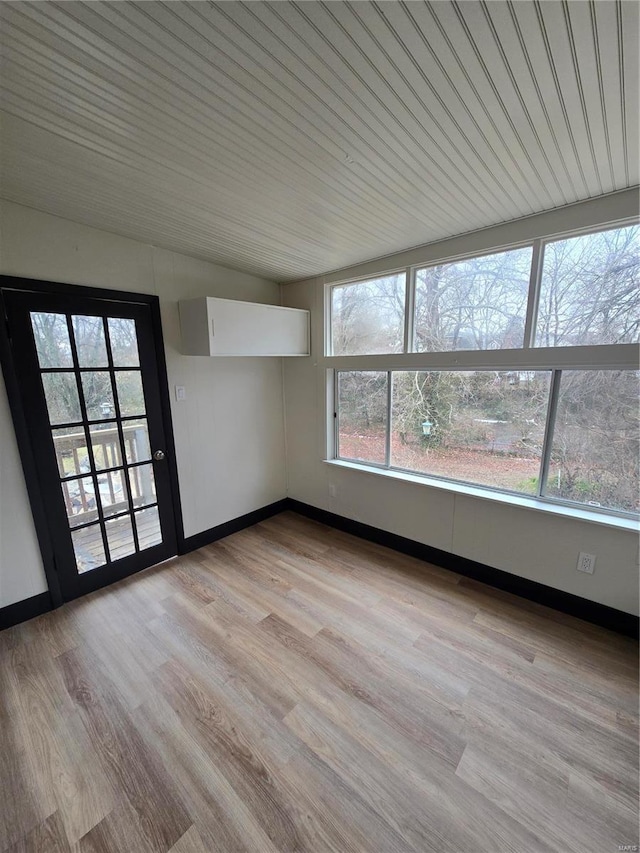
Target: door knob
x=158, y=455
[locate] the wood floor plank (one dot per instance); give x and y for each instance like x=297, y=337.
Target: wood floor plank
x=118, y=832
x=490, y=661
x=222, y=819
x=237, y=757
x=293, y=688
x=256, y=580
x=191, y=842
x=135, y=772
x=21, y=806
x=419, y=714
x=60, y=756
x=47, y=837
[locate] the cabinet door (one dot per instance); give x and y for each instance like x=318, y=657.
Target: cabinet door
x=247, y=328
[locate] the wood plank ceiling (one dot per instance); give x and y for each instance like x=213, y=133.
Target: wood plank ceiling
x=288, y=139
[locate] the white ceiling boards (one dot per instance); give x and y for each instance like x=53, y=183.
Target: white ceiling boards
x=290, y=139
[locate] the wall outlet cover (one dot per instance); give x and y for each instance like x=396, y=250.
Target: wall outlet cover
x=586, y=563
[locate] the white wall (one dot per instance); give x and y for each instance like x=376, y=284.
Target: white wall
x=229, y=431
x=525, y=542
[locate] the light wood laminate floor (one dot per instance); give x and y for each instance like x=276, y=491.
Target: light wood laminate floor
x=294, y=688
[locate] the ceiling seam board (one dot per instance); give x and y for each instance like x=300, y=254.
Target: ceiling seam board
x=291, y=139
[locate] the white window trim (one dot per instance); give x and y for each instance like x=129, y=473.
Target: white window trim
x=540, y=502
x=603, y=357
x=576, y=512
x=528, y=357
x=614, y=210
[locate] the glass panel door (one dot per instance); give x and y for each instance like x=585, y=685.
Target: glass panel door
x=92, y=401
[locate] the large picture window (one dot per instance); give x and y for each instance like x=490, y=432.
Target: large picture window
x=493, y=428
x=514, y=371
x=368, y=317
x=477, y=303
x=482, y=427
x=589, y=290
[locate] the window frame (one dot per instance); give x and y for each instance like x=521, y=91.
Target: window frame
x=594, y=357
x=328, y=305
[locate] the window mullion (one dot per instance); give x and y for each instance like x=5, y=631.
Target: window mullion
x=533, y=298
x=387, y=449
x=548, y=431
x=336, y=415
x=327, y=296
x=409, y=308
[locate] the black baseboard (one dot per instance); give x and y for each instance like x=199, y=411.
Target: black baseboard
x=582, y=608
x=21, y=611
x=199, y=540
x=13, y=614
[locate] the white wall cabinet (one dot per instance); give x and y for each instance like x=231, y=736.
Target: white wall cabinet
x=217, y=327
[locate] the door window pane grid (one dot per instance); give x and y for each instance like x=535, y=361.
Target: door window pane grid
x=80, y=424
x=71, y=450
x=120, y=537
x=124, y=537
x=88, y=546
x=102, y=471
x=88, y=332
x=80, y=386
x=115, y=516
x=73, y=454
x=125, y=446
x=123, y=342
x=142, y=484
x=66, y=369
x=51, y=335
x=96, y=441
x=80, y=500
x=148, y=527
x=105, y=446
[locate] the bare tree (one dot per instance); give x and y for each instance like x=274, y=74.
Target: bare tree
x=590, y=289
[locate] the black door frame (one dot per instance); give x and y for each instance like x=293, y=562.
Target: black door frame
x=27, y=285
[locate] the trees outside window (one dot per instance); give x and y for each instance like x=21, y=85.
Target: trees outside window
x=595, y=452
x=362, y=425
x=368, y=317
x=474, y=304
x=589, y=292
x=547, y=427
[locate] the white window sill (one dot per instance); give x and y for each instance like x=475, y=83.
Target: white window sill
x=576, y=513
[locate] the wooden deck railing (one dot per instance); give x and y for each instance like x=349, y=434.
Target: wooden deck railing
x=80, y=499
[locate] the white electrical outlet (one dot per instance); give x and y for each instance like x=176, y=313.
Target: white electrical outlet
x=586, y=563
x=333, y=490
x=181, y=393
